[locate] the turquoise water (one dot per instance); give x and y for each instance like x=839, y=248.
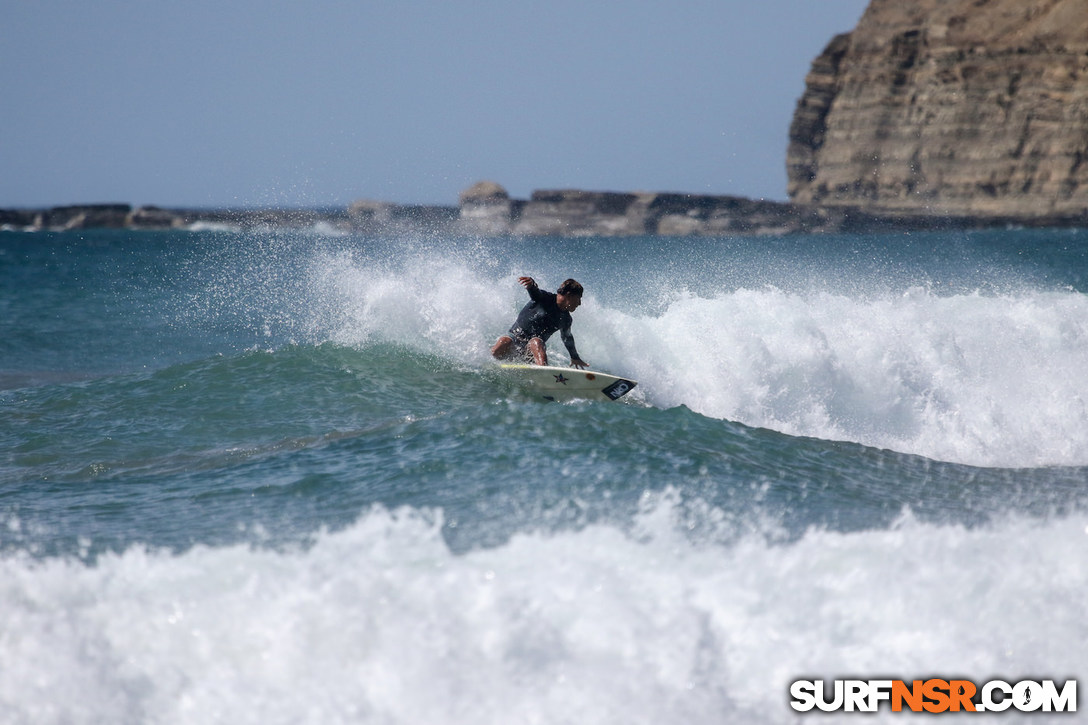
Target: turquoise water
x=274, y=477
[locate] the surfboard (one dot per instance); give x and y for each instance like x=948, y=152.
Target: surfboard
x=561, y=384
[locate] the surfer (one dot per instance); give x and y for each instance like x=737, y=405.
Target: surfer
x=538, y=320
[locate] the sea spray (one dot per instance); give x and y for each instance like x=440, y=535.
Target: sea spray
x=987, y=379
x=380, y=622
x=969, y=378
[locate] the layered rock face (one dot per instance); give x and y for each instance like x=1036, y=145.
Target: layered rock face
x=968, y=108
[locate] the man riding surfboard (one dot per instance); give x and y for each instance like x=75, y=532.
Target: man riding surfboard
x=545, y=313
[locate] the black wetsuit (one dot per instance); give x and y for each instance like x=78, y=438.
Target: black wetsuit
x=541, y=318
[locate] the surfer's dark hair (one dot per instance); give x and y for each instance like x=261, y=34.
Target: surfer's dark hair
x=570, y=287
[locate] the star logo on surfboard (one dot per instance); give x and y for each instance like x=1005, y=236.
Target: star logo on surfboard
x=561, y=379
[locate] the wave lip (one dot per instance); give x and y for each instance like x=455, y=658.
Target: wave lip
x=976, y=379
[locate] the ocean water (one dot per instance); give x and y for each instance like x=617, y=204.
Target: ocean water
x=273, y=477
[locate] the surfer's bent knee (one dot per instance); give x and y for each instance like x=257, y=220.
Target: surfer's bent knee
x=538, y=350
x=502, y=347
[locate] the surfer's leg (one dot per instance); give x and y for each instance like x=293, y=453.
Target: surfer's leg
x=501, y=348
x=540, y=353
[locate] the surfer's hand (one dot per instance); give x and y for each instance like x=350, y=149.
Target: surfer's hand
x=529, y=282
x=580, y=364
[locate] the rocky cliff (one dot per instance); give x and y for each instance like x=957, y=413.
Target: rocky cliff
x=961, y=108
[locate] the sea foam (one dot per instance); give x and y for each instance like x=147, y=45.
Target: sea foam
x=379, y=622
x=977, y=379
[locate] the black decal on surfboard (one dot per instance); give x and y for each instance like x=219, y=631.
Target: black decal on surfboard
x=618, y=389
x=560, y=378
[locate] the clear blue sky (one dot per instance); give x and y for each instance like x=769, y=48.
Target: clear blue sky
x=258, y=102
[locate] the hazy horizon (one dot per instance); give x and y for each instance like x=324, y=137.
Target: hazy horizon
x=253, y=105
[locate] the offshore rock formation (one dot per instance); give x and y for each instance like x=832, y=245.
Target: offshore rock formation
x=957, y=108
x=487, y=209
x=124, y=216
x=384, y=218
